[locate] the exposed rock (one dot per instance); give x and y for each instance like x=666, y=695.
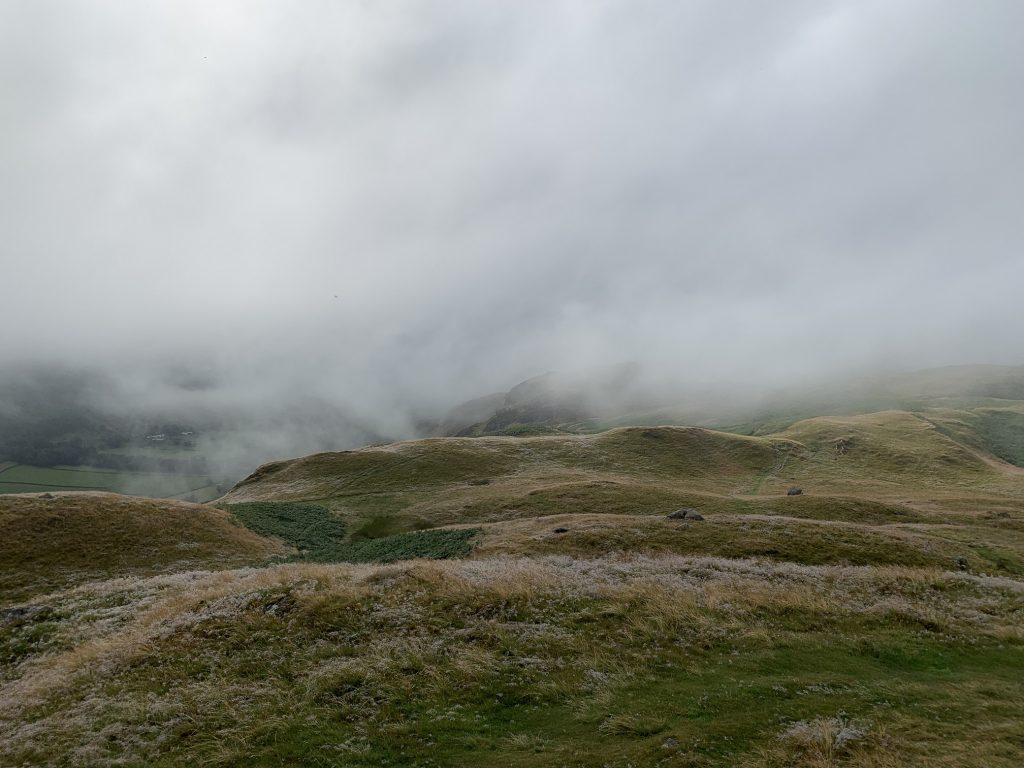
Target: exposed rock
x=669, y=743
x=794, y=491
x=47, y=496
x=963, y=564
x=686, y=513
x=24, y=613
x=561, y=530
x=278, y=605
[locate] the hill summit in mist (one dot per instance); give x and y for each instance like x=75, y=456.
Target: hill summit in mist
x=622, y=395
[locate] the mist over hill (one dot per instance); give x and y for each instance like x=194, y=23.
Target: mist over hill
x=388, y=212
x=210, y=431
x=57, y=415
x=529, y=383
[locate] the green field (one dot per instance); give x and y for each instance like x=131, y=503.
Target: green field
x=22, y=478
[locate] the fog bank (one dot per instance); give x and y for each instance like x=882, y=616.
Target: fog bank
x=386, y=209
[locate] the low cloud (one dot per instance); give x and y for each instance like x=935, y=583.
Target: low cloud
x=390, y=208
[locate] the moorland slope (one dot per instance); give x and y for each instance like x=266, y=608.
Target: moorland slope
x=49, y=541
x=550, y=605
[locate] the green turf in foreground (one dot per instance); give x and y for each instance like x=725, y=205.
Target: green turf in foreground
x=675, y=662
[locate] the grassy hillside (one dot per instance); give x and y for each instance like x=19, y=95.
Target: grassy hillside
x=875, y=619
x=441, y=479
x=51, y=543
x=603, y=399
x=933, y=488
x=526, y=662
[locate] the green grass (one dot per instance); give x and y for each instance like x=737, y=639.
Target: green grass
x=698, y=456
x=777, y=539
x=309, y=528
x=529, y=663
x=381, y=525
x=438, y=544
x=319, y=535
x=881, y=459
x=886, y=488
x=23, y=478
x=1001, y=432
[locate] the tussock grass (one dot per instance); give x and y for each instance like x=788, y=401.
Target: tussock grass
x=48, y=543
x=598, y=661
x=811, y=542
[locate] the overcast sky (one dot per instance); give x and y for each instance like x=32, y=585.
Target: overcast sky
x=418, y=202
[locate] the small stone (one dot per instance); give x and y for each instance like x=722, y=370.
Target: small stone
x=23, y=613
x=561, y=530
x=794, y=491
x=683, y=514
x=669, y=743
x=695, y=516
x=963, y=564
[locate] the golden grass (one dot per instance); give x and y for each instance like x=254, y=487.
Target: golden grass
x=48, y=543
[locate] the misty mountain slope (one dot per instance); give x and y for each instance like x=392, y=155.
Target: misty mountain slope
x=51, y=543
x=730, y=524
x=998, y=432
x=605, y=398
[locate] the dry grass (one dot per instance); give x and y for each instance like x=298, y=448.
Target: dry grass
x=874, y=621
x=890, y=467
x=48, y=543
x=574, y=635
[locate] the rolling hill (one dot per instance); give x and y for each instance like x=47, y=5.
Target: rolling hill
x=541, y=601
x=927, y=485
x=53, y=541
